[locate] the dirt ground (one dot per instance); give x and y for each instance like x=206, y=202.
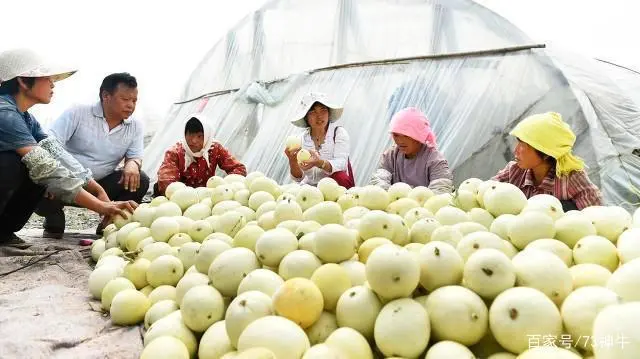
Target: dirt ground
x=46, y=310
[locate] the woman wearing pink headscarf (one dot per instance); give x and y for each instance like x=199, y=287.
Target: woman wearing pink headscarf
x=415, y=159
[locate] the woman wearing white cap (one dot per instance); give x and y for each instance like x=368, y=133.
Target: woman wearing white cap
x=30, y=160
x=327, y=143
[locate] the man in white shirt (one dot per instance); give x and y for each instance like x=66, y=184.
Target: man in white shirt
x=100, y=136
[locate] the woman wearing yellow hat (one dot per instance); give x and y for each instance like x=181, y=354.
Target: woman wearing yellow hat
x=544, y=163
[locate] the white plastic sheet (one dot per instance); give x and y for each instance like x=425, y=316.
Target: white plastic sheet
x=259, y=72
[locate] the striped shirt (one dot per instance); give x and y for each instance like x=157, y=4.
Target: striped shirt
x=85, y=134
x=575, y=187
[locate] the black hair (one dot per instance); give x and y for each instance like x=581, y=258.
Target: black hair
x=193, y=126
x=550, y=160
x=111, y=82
x=12, y=87
x=310, y=107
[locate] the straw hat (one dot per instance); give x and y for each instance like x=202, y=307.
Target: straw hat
x=308, y=100
x=27, y=63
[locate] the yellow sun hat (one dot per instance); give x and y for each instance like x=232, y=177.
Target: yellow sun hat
x=549, y=134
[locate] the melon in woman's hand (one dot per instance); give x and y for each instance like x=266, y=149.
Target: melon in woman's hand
x=303, y=156
x=293, y=143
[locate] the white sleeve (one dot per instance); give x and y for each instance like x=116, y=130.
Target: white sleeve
x=341, y=150
x=64, y=126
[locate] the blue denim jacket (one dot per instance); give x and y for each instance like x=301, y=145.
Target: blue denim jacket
x=17, y=129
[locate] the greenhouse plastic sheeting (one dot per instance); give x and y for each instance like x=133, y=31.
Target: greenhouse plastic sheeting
x=250, y=83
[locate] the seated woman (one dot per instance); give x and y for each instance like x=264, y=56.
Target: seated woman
x=415, y=159
x=194, y=159
x=544, y=163
x=327, y=142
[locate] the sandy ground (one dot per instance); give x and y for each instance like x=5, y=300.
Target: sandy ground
x=46, y=310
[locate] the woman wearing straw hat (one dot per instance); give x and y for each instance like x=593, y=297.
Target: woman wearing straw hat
x=30, y=160
x=544, y=163
x=327, y=143
x=415, y=159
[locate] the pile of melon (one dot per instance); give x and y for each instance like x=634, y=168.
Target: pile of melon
x=246, y=268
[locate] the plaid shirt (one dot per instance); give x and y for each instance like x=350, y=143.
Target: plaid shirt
x=575, y=187
x=196, y=175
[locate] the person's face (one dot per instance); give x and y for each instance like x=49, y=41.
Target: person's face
x=122, y=102
x=526, y=156
x=318, y=116
x=195, y=141
x=406, y=144
x=42, y=90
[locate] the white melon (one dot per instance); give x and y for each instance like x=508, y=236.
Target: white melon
x=112, y=288
x=521, y=312
x=610, y=221
x=448, y=349
x=369, y=245
x=415, y=214
x=358, y=308
x=323, y=351
x=440, y=265
x=274, y=244
x=268, y=221
x=280, y=335
x=332, y=280
x=469, y=227
x=373, y=198
x=177, y=240
x=422, y=230
x=355, y=212
x=159, y=310
x=529, y=226
x=164, y=228
x=449, y=215
x=325, y=212
x=375, y=223
x=420, y=194
x=319, y=331
x=123, y=233
x=197, y=211
x=334, y=243
x=163, y=292
x=504, y=198
x=187, y=253
x=168, y=209
x=617, y=324
x=579, y=311
x=465, y=200
x=144, y=215
x=554, y=246
x=215, y=342
x=479, y=240
x=99, y=278
x=392, y=271
x=500, y=225
x=97, y=248
x=628, y=245
x=489, y=272
x=165, y=270
x=189, y=281
x=438, y=201
x=589, y=274
x=347, y=200
x=128, y=307
x=165, y=347
x=545, y=272
x=308, y=197
x=402, y=328
x=231, y=222
x=243, y=310
x=402, y=206
x=447, y=234
x=247, y=237
x=256, y=353
x=259, y=198
x=208, y=251
x=262, y=280
x=551, y=208
x=625, y=281
x=356, y=270
x=400, y=230
x=298, y=263
x=185, y=197
x=548, y=352
x=222, y=193
x=136, y=236
x=136, y=272
x=229, y=268
x=330, y=189
x=199, y=230
x=172, y=325
x=201, y=306
x=596, y=250
x=350, y=343
x=458, y=314
x=242, y=197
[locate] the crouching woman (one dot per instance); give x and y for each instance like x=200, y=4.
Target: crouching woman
x=414, y=159
x=544, y=163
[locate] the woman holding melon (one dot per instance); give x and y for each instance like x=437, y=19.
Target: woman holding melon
x=322, y=150
x=544, y=163
x=415, y=159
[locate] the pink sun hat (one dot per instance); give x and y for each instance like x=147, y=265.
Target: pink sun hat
x=413, y=123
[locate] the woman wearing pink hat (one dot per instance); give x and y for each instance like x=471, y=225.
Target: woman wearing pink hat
x=415, y=159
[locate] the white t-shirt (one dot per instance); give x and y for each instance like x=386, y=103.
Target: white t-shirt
x=335, y=152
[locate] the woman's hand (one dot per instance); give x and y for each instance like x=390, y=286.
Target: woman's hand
x=314, y=161
x=122, y=208
x=292, y=154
